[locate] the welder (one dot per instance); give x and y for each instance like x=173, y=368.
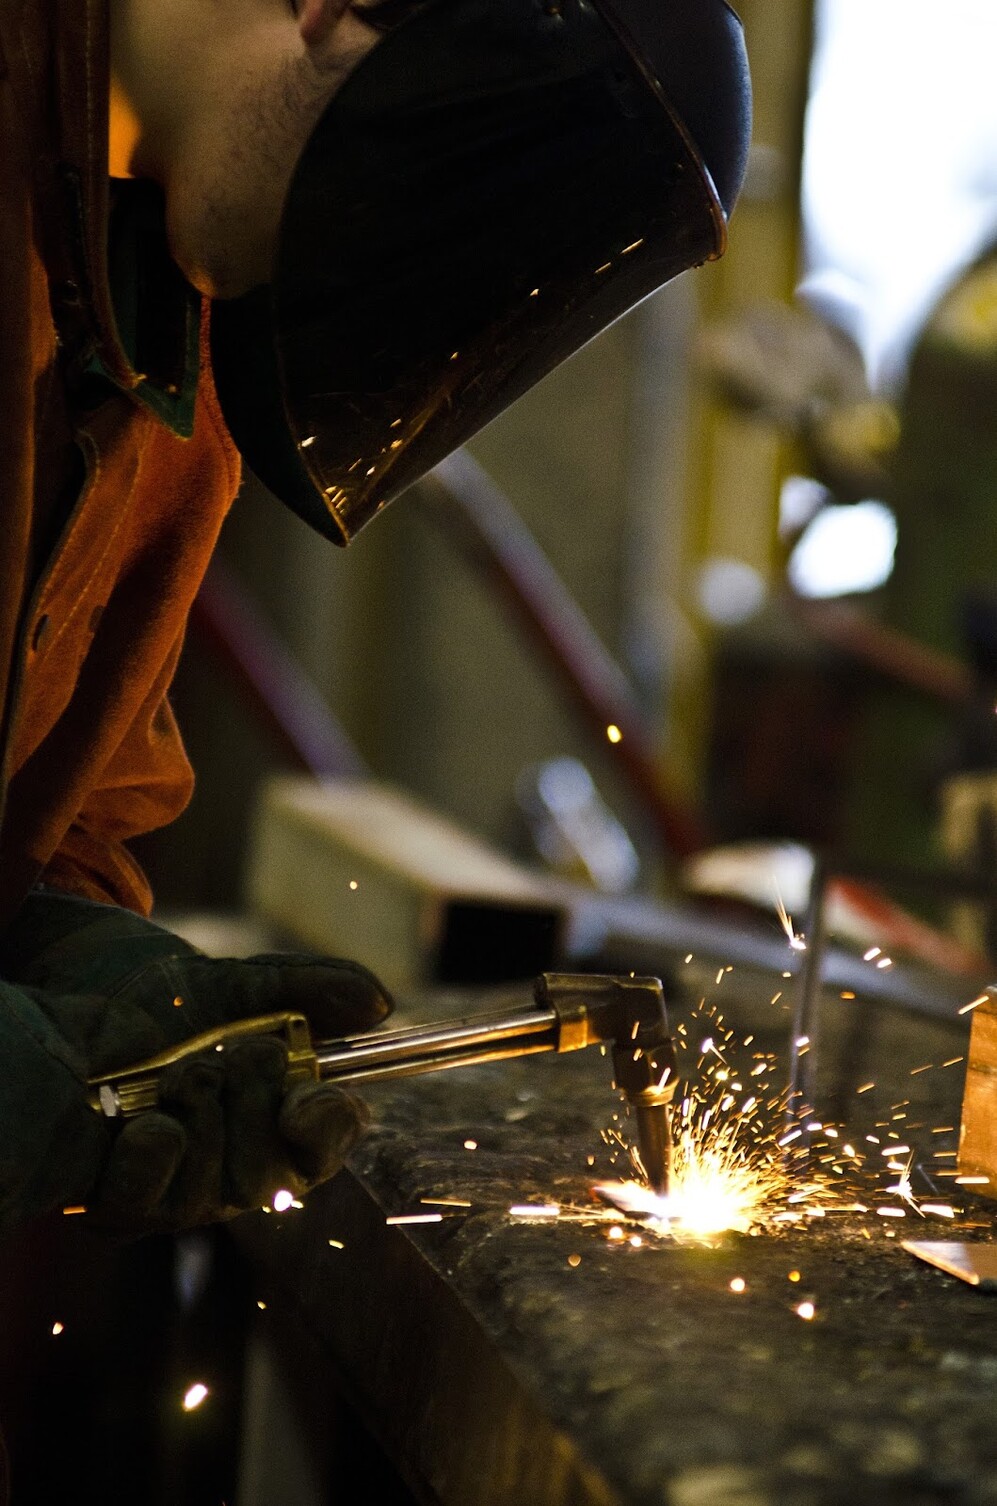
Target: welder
x=338, y=239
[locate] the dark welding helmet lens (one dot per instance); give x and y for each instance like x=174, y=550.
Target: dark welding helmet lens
x=497, y=182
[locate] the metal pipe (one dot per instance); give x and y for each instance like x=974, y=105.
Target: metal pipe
x=462, y=1041
x=653, y=938
x=886, y=651
x=803, y=1040
x=263, y=670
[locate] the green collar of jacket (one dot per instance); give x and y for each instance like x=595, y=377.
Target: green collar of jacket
x=156, y=311
x=125, y=316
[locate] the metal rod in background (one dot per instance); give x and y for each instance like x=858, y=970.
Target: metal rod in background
x=493, y=537
x=618, y=934
x=806, y=1023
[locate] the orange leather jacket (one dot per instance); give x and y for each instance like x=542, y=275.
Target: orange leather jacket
x=107, y=516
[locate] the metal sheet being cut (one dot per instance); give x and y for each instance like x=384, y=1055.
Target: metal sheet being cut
x=975, y=1264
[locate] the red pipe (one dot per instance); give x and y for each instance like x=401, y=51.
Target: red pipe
x=269, y=678
x=479, y=517
x=894, y=655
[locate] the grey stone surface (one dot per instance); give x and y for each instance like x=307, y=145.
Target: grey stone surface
x=679, y=1391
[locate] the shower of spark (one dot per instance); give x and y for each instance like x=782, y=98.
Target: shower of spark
x=717, y=1184
x=743, y=1164
x=721, y=1184
x=729, y=1172
x=737, y=1167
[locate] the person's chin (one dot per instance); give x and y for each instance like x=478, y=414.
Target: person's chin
x=215, y=270
x=224, y=284
x=215, y=280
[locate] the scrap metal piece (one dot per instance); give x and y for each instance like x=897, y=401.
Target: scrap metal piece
x=975, y=1264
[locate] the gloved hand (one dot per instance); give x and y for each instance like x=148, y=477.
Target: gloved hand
x=91, y=989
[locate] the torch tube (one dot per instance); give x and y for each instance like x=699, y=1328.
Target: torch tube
x=406, y=1053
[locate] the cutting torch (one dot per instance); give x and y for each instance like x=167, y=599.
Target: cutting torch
x=569, y=1012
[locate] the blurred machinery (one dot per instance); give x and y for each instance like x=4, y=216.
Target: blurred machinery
x=914, y=671
x=572, y=828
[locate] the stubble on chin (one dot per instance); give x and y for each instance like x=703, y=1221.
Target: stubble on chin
x=225, y=196
x=225, y=201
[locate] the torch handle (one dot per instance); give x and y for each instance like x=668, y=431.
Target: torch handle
x=133, y=1090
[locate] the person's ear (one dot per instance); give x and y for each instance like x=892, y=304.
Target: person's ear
x=317, y=19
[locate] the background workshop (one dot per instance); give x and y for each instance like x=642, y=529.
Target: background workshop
x=684, y=668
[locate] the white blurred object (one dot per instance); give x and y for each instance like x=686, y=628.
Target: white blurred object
x=758, y=872
x=844, y=550
x=729, y=591
x=898, y=196
x=800, y=499
x=574, y=830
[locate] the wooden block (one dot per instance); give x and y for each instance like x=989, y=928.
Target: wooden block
x=978, y=1135
x=353, y=868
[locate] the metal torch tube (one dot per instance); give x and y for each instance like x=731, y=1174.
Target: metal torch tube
x=404, y=1053
x=570, y=1012
x=349, y=1070
x=361, y=1058
x=654, y=1137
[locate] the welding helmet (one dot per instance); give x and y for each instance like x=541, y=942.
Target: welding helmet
x=496, y=182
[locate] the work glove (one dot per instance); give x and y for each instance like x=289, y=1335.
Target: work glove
x=89, y=989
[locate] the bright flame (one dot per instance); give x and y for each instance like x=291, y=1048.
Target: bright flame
x=722, y=1177
x=717, y=1184
x=716, y=1187
x=194, y=1396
